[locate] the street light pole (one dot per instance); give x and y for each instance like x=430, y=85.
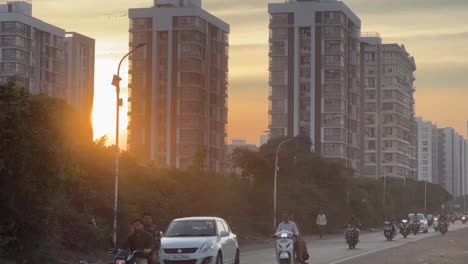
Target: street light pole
x=116, y=82
x=276, y=180
x=425, y=197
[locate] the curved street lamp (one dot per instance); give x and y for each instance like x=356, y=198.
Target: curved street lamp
x=276, y=180
x=116, y=82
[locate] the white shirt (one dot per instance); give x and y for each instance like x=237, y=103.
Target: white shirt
x=322, y=219
x=289, y=226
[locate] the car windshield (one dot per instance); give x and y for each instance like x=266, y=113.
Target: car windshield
x=191, y=228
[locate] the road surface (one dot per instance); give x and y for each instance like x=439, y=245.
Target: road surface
x=373, y=248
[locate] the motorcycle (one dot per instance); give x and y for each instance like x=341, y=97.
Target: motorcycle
x=443, y=227
x=463, y=219
x=405, y=228
x=352, y=236
x=436, y=224
x=285, y=251
x=129, y=257
x=415, y=227
x=389, y=231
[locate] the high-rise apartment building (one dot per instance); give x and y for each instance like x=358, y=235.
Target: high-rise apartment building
x=43, y=60
x=32, y=51
x=178, y=84
x=79, y=69
x=427, y=151
x=315, y=82
x=452, y=161
x=388, y=114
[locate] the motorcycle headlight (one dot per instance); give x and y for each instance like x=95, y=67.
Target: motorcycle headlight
x=209, y=246
x=405, y=221
x=435, y=219
x=283, y=235
x=120, y=261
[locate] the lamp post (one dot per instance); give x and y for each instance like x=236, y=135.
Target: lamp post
x=276, y=180
x=116, y=82
x=425, y=197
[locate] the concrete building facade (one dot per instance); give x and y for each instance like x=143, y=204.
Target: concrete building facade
x=79, y=69
x=427, y=151
x=315, y=82
x=32, y=51
x=178, y=84
x=388, y=112
x=41, y=58
x=452, y=161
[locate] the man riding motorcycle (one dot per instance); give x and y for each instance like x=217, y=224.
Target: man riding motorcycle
x=354, y=221
x=140, y=240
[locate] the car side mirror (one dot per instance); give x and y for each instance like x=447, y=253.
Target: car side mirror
x=224, y=234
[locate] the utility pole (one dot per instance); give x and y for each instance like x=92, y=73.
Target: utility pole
x=275, y=187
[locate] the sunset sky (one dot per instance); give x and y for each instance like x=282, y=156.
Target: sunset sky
x=435, y=32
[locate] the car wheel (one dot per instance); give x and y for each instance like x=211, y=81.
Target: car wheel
x=237, y=260
x=219, y=259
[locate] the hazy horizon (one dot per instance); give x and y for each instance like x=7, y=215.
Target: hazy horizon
x=428, y=29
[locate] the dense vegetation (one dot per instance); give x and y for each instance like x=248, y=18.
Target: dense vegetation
x=56, y=186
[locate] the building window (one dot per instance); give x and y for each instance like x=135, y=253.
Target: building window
x=305, y=60
x=371, y=145
x=279, y=19
x=278, y=48
x=371, y=94
x=334, y=75
x=305, y=73
x=370, y=132
x=333, y=32
x=371, y=82
x=305, y=32
x=279, y=33
x=333, y=120
x=334, y=61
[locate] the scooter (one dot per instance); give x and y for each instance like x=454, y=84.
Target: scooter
x=129, y=257
x=405, y=228
x=389, y=230
x=285, y=251
x=352, y=236
x=436, y=224
x=463, y=219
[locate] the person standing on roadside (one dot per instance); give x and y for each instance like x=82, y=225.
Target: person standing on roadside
x=322, y=223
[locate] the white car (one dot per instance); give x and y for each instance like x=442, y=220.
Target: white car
x=423, y=224
x=199, y=240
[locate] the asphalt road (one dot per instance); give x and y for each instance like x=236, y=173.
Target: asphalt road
x=373, y=248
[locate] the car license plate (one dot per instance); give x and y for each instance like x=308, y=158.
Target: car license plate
x=179, y=257
x=284, y=255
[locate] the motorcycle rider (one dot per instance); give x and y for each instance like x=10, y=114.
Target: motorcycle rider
x=354, y=221
x=141, y=240
x=288, y=225
x=392, y=222
x=155, y=233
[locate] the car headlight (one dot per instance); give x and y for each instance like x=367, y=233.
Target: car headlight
x=120, y=261
x=209, y=246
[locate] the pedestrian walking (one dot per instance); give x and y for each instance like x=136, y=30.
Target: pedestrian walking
x=322, y=223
